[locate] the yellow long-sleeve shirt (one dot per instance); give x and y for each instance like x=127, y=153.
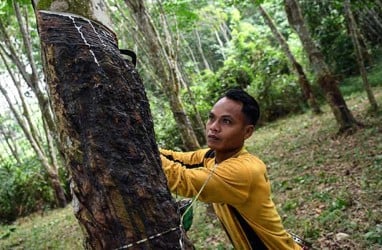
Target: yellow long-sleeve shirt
x=239, y=190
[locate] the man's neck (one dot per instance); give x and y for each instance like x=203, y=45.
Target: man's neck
x=221, y=156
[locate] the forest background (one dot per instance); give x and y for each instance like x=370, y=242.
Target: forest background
x=213, y=46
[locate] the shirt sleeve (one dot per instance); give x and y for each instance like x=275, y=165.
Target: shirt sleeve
x=191, y=159
x=229, y=182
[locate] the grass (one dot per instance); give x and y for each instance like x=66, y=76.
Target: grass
x=355, y=84
x=56, y=229
x=327, y=187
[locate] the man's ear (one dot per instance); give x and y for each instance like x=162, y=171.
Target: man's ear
x=248, y=131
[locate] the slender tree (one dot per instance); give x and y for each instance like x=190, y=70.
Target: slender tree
x=325, y=78
x=163, y=54
x=369, y=18
x=355, y=35
x=27, y=69
x=201, y=51
x=8, y=137
x=120, y=193
x=297, y=68
x=24, y=120
x=19, y=61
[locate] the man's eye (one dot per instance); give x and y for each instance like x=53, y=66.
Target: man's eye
x=226, y=121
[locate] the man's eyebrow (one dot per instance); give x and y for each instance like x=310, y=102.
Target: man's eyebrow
x=211, y=113
x=228, y=116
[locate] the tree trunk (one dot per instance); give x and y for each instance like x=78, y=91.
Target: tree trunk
x=167, y=69
x=200, y=49
x=225, y=31
x=297, y=68
x=7, y=136
x=354, y=33
x=221, y=44
x=120, y=193
x=325, y=78
x=189, y=53
x=369, y=20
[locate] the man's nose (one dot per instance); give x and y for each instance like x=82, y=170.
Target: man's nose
x=214, y=126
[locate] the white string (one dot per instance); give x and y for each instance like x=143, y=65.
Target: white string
x=148, y=238
x=181, y=219
x=198, y=194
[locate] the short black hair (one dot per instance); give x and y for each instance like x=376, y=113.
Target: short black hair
x=251, y=109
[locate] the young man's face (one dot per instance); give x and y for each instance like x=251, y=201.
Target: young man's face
x=226, y=127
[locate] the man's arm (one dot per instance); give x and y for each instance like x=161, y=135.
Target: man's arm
x=226, y=183
x=191, y=159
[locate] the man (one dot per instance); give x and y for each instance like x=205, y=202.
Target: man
x=237, y=183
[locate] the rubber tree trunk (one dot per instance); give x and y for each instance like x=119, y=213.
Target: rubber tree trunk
x=325, y=78
x=120, y=193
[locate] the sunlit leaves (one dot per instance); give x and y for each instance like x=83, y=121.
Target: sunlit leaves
x=183, y=11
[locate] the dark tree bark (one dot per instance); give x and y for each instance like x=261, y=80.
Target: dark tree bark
x=325, y=78
x=105, y=126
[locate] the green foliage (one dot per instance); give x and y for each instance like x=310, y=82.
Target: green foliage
x=290, y=205
x=354, y=84
x=8, y=18
x=82, y=8
x=374, y=235
x=166, y=130
x=328, y=25
x=183, y=11
x=23, y=189
x=6, y=6
x=3, y=7
x=254, y=65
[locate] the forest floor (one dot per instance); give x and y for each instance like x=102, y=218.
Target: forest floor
x=327, y=187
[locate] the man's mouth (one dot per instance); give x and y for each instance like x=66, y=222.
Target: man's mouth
x=213, y=137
